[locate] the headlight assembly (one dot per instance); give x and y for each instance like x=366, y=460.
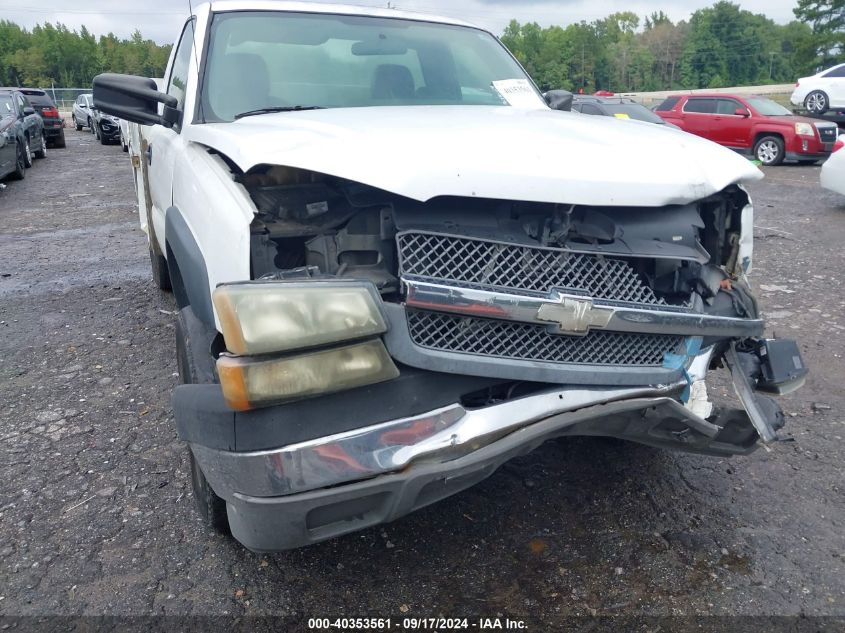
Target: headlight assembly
x=263, y=317
x=804, y=129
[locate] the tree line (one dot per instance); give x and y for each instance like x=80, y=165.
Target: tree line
x=54, y=54
x=719, y=46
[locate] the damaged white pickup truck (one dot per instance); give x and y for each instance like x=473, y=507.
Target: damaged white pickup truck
x=397, y=267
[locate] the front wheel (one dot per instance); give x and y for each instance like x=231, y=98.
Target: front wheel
x=161, y=274
x=91, y=127
x=76, y=123
x=27, y=154
x=20, y=164
x=41, y=152
x=102, y=137
x=817, y=102
x=210, y=506
x=769, y=150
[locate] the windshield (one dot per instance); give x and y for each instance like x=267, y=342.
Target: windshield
x=6, y=106
x=767, y=107
x=633, y=111
x=278, y=59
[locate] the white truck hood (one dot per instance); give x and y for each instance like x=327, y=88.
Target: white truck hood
x=422, y=152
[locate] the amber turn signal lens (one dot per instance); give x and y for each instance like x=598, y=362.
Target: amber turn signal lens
x=249, y=383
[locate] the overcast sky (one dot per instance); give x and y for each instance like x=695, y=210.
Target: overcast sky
x=160, y=19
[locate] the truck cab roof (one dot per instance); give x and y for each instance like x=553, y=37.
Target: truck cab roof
x=221, y=6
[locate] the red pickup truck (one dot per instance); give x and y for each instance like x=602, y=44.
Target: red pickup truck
x=751, y=125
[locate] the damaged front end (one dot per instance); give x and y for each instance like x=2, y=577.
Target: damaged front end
x=445, y=337
x=534, y=295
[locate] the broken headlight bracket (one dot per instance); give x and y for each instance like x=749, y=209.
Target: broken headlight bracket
x=767, y=365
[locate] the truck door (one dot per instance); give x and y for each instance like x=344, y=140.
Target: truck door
x=163, y=143
x=698, y=115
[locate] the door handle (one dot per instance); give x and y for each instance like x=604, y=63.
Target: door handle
x=149, y=155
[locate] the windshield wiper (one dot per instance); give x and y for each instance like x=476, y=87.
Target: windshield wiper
x=295, y=108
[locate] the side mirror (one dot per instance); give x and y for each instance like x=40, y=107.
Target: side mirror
x=742, y=112
x=135, y=99
x=559, y=99
x=28, y=110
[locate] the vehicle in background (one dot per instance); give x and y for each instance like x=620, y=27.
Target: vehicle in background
x=822, y=92
x=754, y=126
x=618, y=107
x=106, y=127
x=81, y=113
x=31, y=125
x=54, y=130
x=833, y=170
x=54, y=124
x=12, y=142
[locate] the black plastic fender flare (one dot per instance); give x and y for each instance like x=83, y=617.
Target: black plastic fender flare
x=186, y=265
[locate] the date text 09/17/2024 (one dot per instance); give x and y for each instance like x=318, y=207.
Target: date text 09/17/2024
x=416, y=624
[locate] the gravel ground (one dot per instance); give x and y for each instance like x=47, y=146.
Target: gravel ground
x=96, y=514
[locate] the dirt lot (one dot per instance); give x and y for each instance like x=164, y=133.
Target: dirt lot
x=96, y=514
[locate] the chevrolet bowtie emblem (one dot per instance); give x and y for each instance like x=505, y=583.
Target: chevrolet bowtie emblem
x=574, y=316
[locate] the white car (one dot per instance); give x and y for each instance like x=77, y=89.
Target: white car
x=822, y=92
x=833, y=170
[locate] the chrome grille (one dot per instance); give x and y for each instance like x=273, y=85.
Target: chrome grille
x=521, y=341
x=519, y=267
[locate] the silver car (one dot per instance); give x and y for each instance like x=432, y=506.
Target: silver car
x=82, y=112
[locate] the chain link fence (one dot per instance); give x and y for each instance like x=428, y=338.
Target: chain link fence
x=64, y=97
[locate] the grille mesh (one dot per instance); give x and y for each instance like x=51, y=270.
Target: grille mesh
x=504, y=339
x=520, y=267
x=827, y=134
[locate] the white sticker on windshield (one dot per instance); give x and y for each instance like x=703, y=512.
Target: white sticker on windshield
x=518, y=93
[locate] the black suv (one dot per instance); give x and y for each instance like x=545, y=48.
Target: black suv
x=54, y=125
x=105, y=126
x=618, y=107
x=29, y=128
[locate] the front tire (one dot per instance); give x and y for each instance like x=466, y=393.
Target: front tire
x=20, y=164
x=27, y=154
x=211, y=507
x=91, y=126
x=76, y=123
x=817, y=102
x=102, y=137
x=41, y=152
x=161, y=274
x=769, y=150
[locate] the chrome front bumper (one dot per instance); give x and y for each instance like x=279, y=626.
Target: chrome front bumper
x=438, y=436
x=384, y=472
x=310, y=491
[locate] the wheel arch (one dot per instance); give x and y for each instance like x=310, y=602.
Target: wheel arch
x=759, y=134
x=186, y=266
